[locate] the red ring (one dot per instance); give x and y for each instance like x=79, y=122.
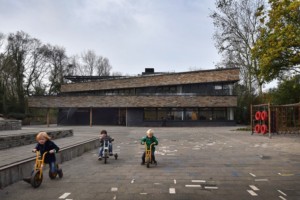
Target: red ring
x=264, y=129
x=264, y=115
x=257, y=128
x=258, y=115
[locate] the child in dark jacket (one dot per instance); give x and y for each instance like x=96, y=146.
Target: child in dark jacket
x=46, y=145
x=104, y=137
x=149, y=139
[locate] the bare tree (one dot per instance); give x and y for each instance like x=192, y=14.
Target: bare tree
x=74, y=68
x=92, y=63
x=36, y=69
x=89, y=60
x=237, y=28
x=57, y=62
x=103, y=67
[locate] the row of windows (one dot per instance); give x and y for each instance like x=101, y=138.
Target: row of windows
x=187, y=114
x=210, y=89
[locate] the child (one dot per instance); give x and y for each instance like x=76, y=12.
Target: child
x=149, y=139
x=105, y=137
x=46, y=145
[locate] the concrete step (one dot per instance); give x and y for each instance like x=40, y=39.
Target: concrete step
x=17, y=163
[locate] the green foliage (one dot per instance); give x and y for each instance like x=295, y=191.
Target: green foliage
x=288, y=92
x=19, y=116
x=244, y=100
x=278, y=46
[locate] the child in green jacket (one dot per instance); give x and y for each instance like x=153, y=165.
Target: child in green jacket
x=149, y=139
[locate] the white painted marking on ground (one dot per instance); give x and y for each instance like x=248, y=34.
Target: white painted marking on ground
x=192, y=185
x=252, y=174
x=252, y=192
x=143, y=193
x=281, y=197
x=114, y=189
x=282, y=192
x=211, y=187
x=132, y=181
x=172, y=190
x=196, y=148
x=210, y=144
x=285, y=174
x=198, y=181
x=253, y=187
x=263, y=179
x=174, y=181
x=69, y=199
x=169, y=151
x=157, y=183
x=115, y=197
x=64, y=195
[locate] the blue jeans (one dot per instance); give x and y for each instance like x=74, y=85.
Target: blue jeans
x=110, y=148
x=52, y=166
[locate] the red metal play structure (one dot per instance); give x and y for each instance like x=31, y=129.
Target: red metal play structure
x=280, y=119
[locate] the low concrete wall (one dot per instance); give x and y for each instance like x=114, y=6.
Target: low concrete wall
x=8, y=141
x=10, y=125
x=17, y=171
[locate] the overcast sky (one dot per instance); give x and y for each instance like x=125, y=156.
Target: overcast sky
x=168, y=35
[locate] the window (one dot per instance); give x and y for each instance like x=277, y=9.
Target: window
x=219, y=114
x=162, y=113
x=205, y=114
x=218, y=87
x=175, y=114
x=150, y=114
x=191, y=114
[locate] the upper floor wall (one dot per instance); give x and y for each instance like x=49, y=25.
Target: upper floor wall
x=184, y=78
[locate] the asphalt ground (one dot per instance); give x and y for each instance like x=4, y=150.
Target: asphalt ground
x=193, y=163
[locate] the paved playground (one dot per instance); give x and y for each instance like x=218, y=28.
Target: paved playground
x=193, y=163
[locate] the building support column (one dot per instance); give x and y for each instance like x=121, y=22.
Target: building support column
x=48, y=117
x=91, y=116
x=126, y=118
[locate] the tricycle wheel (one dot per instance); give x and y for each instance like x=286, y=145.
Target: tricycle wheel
x=36, y=179
x=60, y=173
x=148, y=164
x=105, y=159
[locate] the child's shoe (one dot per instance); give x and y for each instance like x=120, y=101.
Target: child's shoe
x=99, y=158
x=111, y=154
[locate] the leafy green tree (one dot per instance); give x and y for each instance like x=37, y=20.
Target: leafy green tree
x=288, y=91
x=17, y=51
x=278, y=46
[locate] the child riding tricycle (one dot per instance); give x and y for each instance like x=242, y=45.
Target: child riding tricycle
x=45, y=153
x=149, y=141
x=106, y=148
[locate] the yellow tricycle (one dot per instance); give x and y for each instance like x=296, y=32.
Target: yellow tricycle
x=36, y=177
x=148, y=155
